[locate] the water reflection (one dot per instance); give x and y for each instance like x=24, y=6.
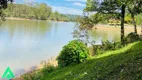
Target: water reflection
x=100, y=35
x=26, y=43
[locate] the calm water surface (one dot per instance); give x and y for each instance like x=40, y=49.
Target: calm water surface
x=26, y=43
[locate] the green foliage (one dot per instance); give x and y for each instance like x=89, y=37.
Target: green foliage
x=98, y=18
x=3, y=5
x=132, y=37
x=41, y=11
x=31, y=76
x=81, y=29
x=73, y=53
x=105, y=18
x=118, y=45
x=73, y=17
x=34, y=11
x=37, y=74
x=107, y=45
x=47, y=68
x=128, y=19
x=19, y=10
x=121, y=64
x=139, y=19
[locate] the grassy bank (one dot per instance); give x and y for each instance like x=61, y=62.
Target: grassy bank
x=122, y=64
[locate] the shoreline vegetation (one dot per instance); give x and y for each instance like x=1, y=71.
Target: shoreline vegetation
x=16, y=18
x=36, y=11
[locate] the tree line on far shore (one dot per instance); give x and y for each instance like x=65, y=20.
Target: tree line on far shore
x=37, y=11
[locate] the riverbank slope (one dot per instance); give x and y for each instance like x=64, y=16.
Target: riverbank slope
x=122, y=64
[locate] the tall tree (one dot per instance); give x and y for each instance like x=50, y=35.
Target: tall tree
x=41, y=11
x=3, y=5
x=44, y=11
x=134, y=7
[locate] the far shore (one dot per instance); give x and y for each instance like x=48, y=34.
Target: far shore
x=103, y=27
x=127, y=28
x=15, y=18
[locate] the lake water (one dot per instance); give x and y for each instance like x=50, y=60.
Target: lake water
x=26, y=43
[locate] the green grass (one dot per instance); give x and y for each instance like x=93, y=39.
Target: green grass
x=116, y=51
x=122, y=64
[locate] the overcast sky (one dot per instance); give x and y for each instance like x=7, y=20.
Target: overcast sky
x=63, y=6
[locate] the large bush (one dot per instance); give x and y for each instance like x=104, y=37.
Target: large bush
x=73, y=53
x=132, y=37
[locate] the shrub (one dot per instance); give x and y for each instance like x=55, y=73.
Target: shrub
x=107, y=45
x=34, y=75
x=132, y=37
x=118, y=45
x=73, y=53
x=47, y=69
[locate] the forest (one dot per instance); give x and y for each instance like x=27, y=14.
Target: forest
x=38, y=11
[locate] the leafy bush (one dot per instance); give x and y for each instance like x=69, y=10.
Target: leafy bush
x=132, y=37
x=73, y=53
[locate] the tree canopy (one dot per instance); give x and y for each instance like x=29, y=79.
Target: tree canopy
x=3, y=5
x=39, y=11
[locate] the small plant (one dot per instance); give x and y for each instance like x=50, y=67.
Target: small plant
x=73, y=53
x=33, y=75
x=118, y=45
x=107, y=45
x=47, y=68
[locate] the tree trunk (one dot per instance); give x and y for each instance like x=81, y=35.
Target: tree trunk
x=134, y=23
x=133, y=20
x=122, y=22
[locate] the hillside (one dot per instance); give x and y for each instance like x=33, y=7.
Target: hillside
x=122, y=64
